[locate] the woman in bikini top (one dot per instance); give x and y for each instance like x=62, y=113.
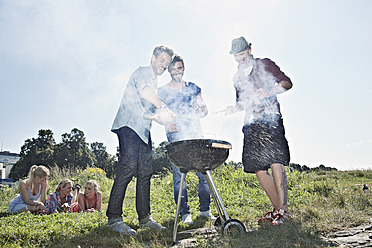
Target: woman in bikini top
x=91, y=200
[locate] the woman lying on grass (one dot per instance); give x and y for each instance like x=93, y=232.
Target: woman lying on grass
x=61, y=199
x=91, y=200
x=31, y=189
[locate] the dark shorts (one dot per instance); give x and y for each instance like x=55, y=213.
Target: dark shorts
x=264, y=145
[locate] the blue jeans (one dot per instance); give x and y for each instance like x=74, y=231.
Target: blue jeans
x=135, y=160
x=204, y=192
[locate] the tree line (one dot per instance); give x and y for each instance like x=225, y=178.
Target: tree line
x=74, y=152
x=304, y=168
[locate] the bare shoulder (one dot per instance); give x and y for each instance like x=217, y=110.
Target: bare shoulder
x=23, y=183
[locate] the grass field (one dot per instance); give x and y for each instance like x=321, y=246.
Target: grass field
x=320, y=202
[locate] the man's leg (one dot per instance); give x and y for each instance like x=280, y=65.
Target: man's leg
x=204, y=197
x=144, y=173
x=267, y=184
x=126, y=166
x=280, y=183
x=204, y=193
x=185, y=209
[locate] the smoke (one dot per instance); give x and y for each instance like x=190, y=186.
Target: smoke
x=249, y=80
x=183, y=102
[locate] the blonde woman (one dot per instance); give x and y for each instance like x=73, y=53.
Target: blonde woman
x=31, y=190
x=91, y=200
x=61, y=199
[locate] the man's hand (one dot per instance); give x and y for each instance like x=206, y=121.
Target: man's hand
x=171, y=127
x=201, y=110
x=165, y=116
x=262, y=93
x=231, y=110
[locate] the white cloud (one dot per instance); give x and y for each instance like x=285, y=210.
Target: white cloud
x=358, y=143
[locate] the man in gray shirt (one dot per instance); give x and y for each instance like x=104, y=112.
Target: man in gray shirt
x=133, y=130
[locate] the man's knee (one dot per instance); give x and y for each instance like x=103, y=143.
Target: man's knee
x=145, y=173
x=277, y=168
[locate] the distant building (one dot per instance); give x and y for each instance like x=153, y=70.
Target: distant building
x=7, y=160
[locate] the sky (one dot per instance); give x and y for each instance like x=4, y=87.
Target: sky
x=64, y=64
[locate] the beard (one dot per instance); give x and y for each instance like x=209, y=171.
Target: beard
x=177, y=78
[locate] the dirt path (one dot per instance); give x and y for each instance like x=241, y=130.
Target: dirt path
x=360, y=236
x=188, y=238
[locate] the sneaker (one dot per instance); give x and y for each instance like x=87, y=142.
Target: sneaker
x=268, y=217
x=150, y=223
x=207, y=214
x=122, y=228
x=186, y=218
x=280, y=217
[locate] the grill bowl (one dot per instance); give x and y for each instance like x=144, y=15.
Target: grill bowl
x=198, y=155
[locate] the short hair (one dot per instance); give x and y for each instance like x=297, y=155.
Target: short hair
x=176, y=58
x=162, y=49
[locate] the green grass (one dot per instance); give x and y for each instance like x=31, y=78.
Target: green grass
x=320, y=202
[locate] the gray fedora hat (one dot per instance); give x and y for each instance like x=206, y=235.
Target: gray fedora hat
x=239, y=45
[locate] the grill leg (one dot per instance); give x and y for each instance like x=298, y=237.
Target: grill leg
x=178, y=208
x=216, y=197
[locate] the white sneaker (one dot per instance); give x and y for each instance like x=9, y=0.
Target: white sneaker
x=207, y=214
x=186, y=218
x=121, y=228
x=149, y=222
